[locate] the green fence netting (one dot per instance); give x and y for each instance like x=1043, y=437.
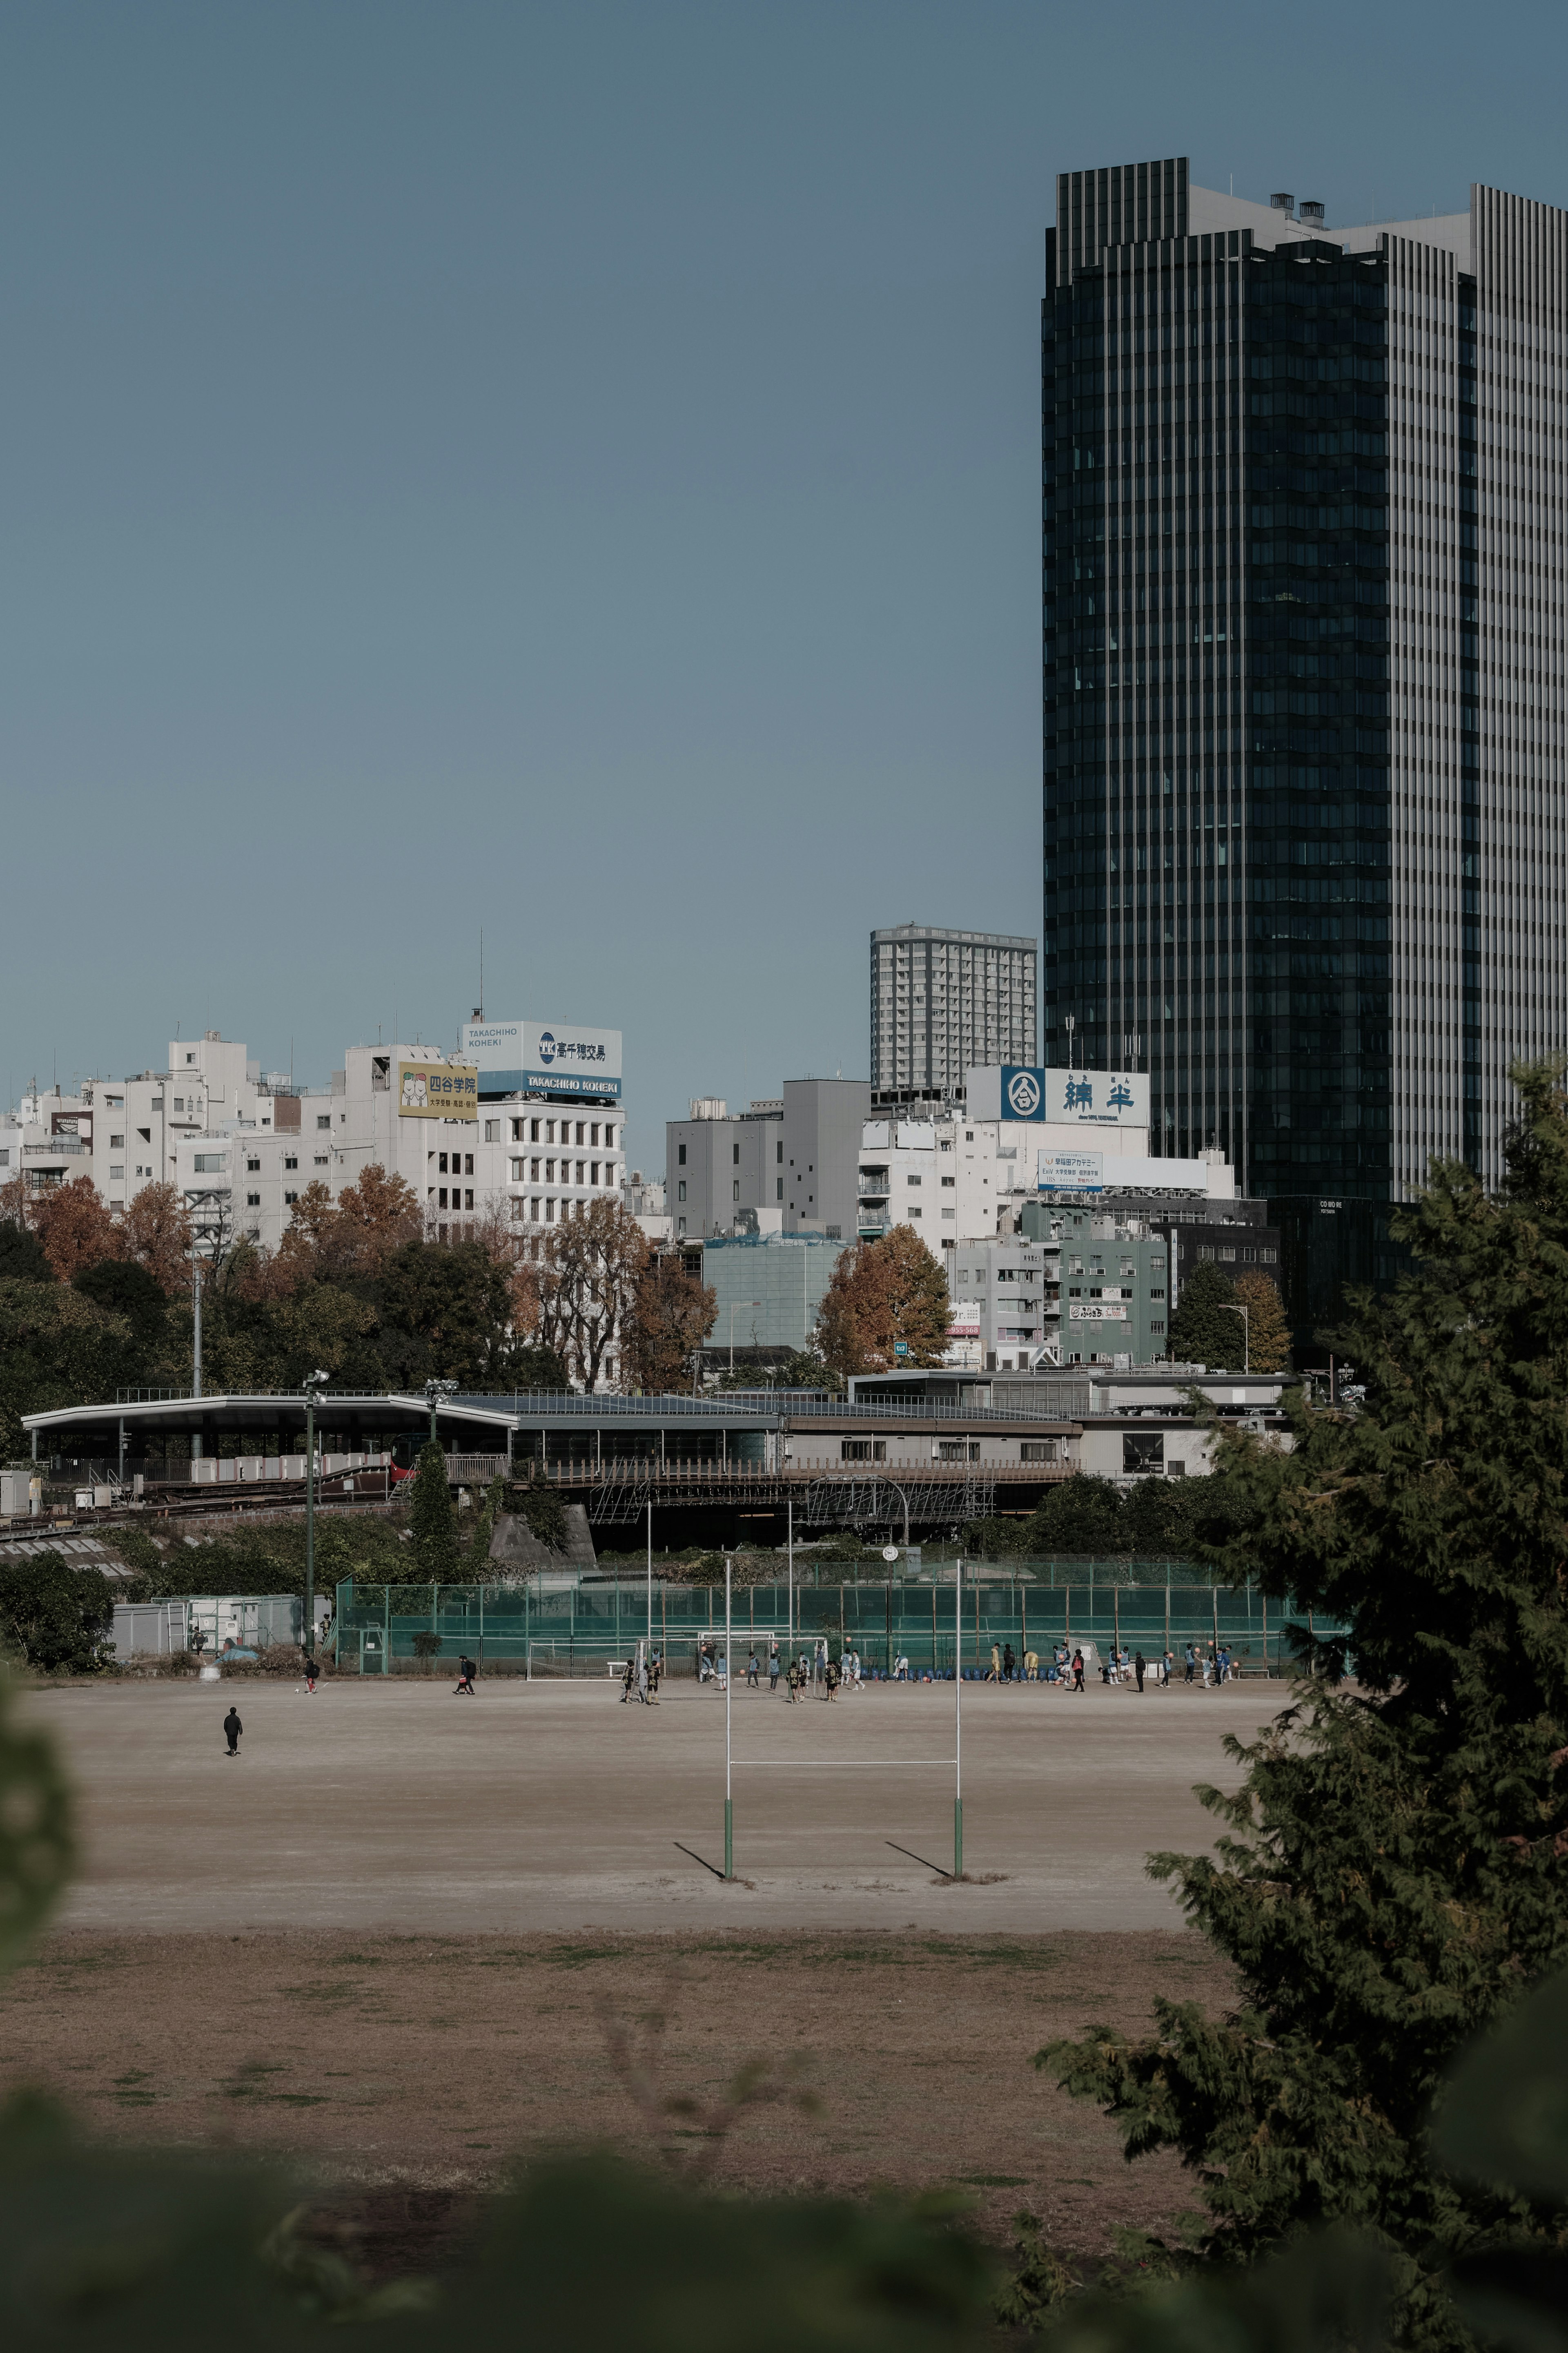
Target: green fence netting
x=561, y=1625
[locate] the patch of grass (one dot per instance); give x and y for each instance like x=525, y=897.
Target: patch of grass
x=577, y=1956
x=1015, y=1957
x=995, y=2180
x=248, y=2079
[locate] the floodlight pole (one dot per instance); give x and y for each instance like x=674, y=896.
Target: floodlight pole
x=958, y=1720
x=310, y=1626
x=650, y=1576
x=309, y=1515
x=790, y=1506
x=729, y=1807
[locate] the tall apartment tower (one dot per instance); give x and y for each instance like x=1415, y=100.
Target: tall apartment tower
x=1305, y=827
x=945, y=1002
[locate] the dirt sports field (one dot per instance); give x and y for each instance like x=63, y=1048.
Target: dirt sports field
x=400, y=1934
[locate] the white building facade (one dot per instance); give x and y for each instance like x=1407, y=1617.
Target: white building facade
x=242, y=1147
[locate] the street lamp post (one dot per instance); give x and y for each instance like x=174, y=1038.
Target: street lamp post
x=435, y=1392
x=1233, y=1307
x=309, y=1627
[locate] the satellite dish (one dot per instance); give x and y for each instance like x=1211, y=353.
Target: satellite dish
x=889, y=1552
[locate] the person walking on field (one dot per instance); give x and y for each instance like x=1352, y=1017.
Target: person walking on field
x=773, y=1672
x=232, y=1729
x=311, y=1673
x=1077, y=1670
x=1139, y=1664
x=465, y=1682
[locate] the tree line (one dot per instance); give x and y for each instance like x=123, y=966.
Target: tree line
x=93, y=1300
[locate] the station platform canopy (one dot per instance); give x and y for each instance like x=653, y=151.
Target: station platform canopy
x=340, y=1414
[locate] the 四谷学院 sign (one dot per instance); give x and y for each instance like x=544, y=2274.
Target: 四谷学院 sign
x=438, y=1091
x=555, y=1058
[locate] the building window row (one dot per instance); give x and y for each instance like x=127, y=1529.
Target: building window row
x=544, y=1131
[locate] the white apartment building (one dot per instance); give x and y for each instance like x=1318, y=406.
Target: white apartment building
x=944, y=1001
x=532, y=1160
x=242, y=1147
x=126, y=1134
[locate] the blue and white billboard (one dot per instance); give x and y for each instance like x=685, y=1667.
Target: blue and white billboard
x=1069, y=1172
x=1059, y=1098
x=554, y=1058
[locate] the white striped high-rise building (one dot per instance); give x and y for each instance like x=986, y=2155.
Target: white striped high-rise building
x=946, y=1002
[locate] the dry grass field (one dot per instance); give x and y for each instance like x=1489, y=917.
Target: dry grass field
x=401, y=1938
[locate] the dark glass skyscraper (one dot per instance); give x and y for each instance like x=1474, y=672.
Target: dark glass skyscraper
x=1304, y=778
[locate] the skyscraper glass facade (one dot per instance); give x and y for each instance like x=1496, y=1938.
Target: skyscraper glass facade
x=1301, y=624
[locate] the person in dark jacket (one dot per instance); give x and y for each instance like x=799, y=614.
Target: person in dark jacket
x=312, y=1672
x=1139, y=1666
x=465, y=1675
x=233, y=1727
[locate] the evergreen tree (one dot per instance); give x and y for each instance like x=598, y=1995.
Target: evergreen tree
x=1204, y=1329
x=432, y=1519
x=1268, y=1332
x=540, y=1505
x=1393, y=1877
x=477, y=1564
x=1081, y=1515
x=54, y=1616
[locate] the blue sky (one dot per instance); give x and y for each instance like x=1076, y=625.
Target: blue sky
x=574, y=470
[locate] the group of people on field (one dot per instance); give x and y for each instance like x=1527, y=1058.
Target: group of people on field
x=813, y=1672
x=641, y=1678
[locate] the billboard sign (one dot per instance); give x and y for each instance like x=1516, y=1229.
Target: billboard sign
x=553, y=1058
x=1096, y=1098
x=1069, y=1172
x=1095, y=1310
x=1013, y=1091
x=438, y=1091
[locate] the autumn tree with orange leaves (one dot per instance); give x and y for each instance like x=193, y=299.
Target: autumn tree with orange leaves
x=880, y=1294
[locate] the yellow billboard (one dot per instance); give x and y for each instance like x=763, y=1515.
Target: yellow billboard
x=438, y=1091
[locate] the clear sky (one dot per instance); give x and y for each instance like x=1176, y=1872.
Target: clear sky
x=574, y=470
